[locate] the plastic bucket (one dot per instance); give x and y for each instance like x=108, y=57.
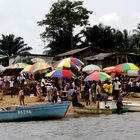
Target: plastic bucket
x=102, y=105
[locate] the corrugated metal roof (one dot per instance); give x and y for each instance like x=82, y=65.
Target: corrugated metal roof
x=99, y=56
x=72, y=52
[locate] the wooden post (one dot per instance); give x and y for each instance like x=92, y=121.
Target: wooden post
x=126, y=58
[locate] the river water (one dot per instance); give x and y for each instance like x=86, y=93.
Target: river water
x=100, y=127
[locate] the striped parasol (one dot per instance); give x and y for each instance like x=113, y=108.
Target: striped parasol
x=91, y=68
x=125, y=67
x=97, y=76
x=65, y=64
x=37, y=68
x=60, y=73
x=75, y=61
x=18, y=65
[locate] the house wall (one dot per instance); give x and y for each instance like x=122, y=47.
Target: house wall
x=28, y=57
x=80, y=55
x=112, y=60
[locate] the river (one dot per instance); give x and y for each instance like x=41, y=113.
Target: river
x=100, y=127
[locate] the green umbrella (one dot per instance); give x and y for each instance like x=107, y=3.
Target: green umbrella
x=90, y=68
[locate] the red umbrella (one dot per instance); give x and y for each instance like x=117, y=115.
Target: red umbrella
x=110, y=69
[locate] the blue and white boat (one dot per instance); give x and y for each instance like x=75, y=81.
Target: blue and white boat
x=34, y=112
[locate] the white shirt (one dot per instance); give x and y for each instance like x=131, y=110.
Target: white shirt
x=130, y=83
x=43, y=82
x=138, y=84
x=11, y=83
x=116, y=85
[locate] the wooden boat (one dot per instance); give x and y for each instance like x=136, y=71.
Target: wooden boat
x=132, y=106
x=34, y=112
x=135, y=95
x=93, y=110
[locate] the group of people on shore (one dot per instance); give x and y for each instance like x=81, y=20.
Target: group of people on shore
x=58, y=89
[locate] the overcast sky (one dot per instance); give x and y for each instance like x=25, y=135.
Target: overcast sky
x=19, y=17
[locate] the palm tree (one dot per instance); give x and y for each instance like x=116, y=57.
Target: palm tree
x=11, y=45
x=137, y=31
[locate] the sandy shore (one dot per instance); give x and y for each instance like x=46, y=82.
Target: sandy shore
x=8, y=101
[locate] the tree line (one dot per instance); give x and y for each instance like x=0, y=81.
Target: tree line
x=59, y=24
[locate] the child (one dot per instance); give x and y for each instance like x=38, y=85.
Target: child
x=54, y=94
x=39, y=91
x=21, y=96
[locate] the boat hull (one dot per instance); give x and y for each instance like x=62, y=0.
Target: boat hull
x=35, y=112
x=84, y=110
x=132, y=106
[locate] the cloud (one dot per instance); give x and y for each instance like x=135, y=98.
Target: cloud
x=110, y=18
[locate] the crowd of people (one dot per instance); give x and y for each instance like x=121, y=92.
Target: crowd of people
x=81, y=93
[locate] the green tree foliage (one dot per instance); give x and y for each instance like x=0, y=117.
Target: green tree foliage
x=108, y=39
x=100, y=37
x=59, y=25
x=136, y=39
x=11, y=45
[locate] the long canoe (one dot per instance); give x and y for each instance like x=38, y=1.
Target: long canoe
x=132, y=106
x=34, y=112
x=93, y=110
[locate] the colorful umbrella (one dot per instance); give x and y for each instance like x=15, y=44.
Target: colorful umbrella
x=97, y=76
x=75, y=61
x=27, y=69
x=65, y=64
x=110, y=69
x=38, y=60
x=18, y=65
x=2, y=68
x=125, y=67
x=49, y=74
x=91, y=68
x=60, y=73
x=37, y=67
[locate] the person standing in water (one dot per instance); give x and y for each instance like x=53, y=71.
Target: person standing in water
x=119, y=104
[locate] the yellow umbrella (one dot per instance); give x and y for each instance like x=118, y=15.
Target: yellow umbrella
x=37, y=67
x=26, y=69
x=75, y=61
x=66, y=64
x=49, y=74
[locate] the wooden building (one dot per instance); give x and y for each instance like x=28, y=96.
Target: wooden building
x=25, y=58
x=113, y=59
x=79, y=53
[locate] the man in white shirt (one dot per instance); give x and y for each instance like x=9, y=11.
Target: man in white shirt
x=130, y=84
x=43, y=86
x=12, y=86
x=117, y=86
